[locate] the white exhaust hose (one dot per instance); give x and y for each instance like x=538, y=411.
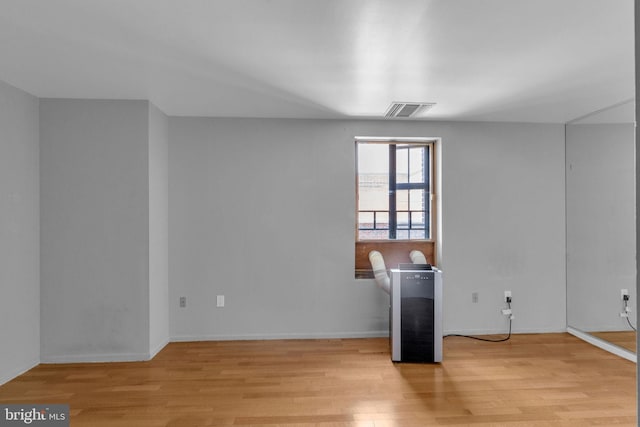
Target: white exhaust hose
x=380, y=271
x=417, y=257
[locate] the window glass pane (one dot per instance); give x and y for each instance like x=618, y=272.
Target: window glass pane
x=417, y=234
x=382, y=220
x=417, y=219
x=373, y=234
x=402, y=165
x=417, y=198
x=403, y=235
x=373, y=177
x=416, y=164
x=403, y=220
x=402, y=200
x=365, y=220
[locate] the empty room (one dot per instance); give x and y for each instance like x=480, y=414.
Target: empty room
x=324, y=213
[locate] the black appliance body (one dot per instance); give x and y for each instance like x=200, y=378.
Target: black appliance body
x=416, y=314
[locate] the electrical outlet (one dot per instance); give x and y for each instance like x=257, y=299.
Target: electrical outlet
x=507, y=296
x=183, y=302
x=623, y=293
x=220, y=301
x=474, y=297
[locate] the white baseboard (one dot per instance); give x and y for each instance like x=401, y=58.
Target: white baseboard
x=8, y=376
x=338, y=335
x=623, y=328
x=95, y=358
x=158, y=348
x=607, y=346
x=283, y=336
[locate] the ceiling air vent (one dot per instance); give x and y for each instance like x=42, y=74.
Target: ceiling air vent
x=405, y=110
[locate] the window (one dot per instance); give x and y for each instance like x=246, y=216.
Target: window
x=394, y=201
x=394, y=191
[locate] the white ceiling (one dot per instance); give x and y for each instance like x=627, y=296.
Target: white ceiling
x=496, y=60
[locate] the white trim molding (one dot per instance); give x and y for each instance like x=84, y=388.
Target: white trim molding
x=607, y=346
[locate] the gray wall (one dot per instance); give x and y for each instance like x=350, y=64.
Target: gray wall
x=262, y=211
x=95, y=230
x=158, y=230
x=19, y=233
x=600, y=222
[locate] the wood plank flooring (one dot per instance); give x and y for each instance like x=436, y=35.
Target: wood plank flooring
x=531, y=380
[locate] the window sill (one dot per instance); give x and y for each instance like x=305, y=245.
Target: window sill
x=394, y=252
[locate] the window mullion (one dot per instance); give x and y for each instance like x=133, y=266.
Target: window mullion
x=426, y=178
x=393, y=218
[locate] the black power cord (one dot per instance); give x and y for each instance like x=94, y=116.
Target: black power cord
x=630, y=325
x=486, y=339
x=625, y=299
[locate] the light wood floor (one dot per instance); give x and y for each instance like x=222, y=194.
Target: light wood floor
x=624, y=339
x=531, y=380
